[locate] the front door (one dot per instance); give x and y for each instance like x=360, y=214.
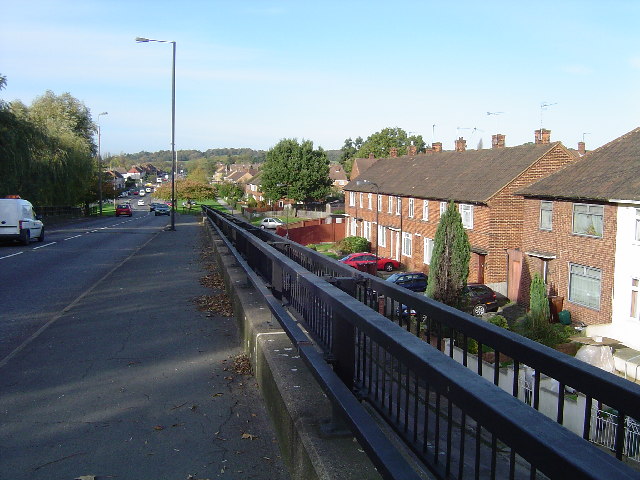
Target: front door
x=514, y=274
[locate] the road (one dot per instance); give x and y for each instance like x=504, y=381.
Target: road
x=111, y=371
x=40, y=280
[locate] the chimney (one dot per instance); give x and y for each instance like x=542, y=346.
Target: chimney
x=581, y=149
x=543, y=136
x=412, y=150
x=393, y=151
x=461, y=145
x=497, y=141
x=436, y=147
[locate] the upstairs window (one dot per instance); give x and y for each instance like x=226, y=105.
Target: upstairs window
x=635, y=298
x=466, y=212
x=411, y=207
x=425, y=210
x=352, y=199
x=360, y=199
x=390, y=210
x=443, y=208
x=369, y=196
x=588, y=219
x=546, y=211
x=379, y=200
x=637, y=224
x=398, y=206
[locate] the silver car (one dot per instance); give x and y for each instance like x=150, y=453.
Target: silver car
x=270, y=222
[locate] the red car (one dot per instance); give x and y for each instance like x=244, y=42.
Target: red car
x=355, y=259
x=124, y=209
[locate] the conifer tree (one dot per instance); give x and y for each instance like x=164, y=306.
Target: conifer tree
x=449, y=268
x=538, y=303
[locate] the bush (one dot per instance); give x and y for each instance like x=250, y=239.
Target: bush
x=545, y=333
x=499, y=321
x=353, y=245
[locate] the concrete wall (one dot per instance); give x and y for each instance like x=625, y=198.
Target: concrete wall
x=296, y=404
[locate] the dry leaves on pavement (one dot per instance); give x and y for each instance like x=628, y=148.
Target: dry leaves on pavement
x=219, y=304
x=242, y=365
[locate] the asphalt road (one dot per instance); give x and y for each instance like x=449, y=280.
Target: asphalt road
x=109, y=368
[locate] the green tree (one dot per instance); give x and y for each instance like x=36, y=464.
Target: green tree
x=380, y=143
x=538, y=303
x=349, y=150
x=449, y=268
x=296, y=171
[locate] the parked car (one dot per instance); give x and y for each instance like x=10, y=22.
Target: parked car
x=18, y=221
x=153, y=205
x=162, y=209
x=141, y=202
x=415, y=281
x=270, y=222
x=355, y=259
x=479, y=299
x=124, y=209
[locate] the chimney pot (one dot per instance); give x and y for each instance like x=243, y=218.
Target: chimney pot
x=436, y=147
x=393, y=151
x=497, y=141
x=461, y=145
x=413, y=150
x=581, y=148
x=543, y=136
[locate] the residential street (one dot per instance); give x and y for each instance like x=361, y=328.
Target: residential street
x=133, y=381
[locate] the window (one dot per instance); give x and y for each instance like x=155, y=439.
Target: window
x=443, y=208
x=354, y=227
x=360, y=199
x=369, y=200
x=411, y=207
x=584, y=285
x=635, y=298
x=379, y=203
x=382, y=236
x=425, y=210
x=588, y=219
x=407, y=240
x=466, y=212
x=637, y=224
x=366, y=233
x=398, y=206
x=390, y=210
x=428, y=250
x=546, y=211
x=352, y=199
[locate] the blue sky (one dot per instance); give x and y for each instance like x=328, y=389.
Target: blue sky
x=250, y=73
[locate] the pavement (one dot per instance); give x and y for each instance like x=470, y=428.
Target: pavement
x=135, y=382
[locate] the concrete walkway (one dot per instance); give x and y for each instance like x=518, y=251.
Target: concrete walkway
x=134, y=382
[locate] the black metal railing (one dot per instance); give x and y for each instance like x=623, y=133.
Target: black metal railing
x=414, y=371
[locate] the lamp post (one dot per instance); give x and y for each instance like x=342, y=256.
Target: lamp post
x=369, y=182
x=173, y=126
x=285, y=207
x=100, y=165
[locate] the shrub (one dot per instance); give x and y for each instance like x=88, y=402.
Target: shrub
x=353, y=244
x=545, y=333
x=499, y=321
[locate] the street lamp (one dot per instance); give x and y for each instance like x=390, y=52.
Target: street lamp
x=100, y=164
x=173, y=126
x=285, y=206
x=369, y=182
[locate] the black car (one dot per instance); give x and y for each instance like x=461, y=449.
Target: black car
x=479, y=299
x=162, y=209
x=415, y=281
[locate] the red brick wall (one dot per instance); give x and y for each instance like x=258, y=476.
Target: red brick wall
x=569, y=248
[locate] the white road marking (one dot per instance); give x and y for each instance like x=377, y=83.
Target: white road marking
x=12, y=255
x=75, y=236
x=45, y=245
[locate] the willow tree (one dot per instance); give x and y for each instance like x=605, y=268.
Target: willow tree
x=449, y=268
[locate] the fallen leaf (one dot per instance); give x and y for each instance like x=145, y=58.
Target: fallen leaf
x=158, y=427
x=217, y=394
x=85, y=477
x=246, y=436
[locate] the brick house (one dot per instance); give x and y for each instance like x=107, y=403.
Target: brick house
x=405, y=196
x=582, y=234
x=338, y=176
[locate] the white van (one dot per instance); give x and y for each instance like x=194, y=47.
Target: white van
x=18, y=221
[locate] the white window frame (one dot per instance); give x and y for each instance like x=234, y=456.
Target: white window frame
x=369, y=202
x=466, y=212
x=390, y=207
x=443, y=208
x=427, y=250
x=360, y=199
x=407, y=244
x=635, y=298
x=379, y=202
x=354, y=227
x=591, y=212
x=398, y=206
x=425, y=210
x=366, y=230
x=546, y=215
x=584, y=272
x=411, y=207
x=637, y=237
x=352, y=199
x=382, y=236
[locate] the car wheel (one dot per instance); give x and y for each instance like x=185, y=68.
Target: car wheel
x=41, y=236
x=262, y=227
x=388, y=267
x=479, y=310
x=25, y=237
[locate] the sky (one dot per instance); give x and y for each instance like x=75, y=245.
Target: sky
x=250, y=73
